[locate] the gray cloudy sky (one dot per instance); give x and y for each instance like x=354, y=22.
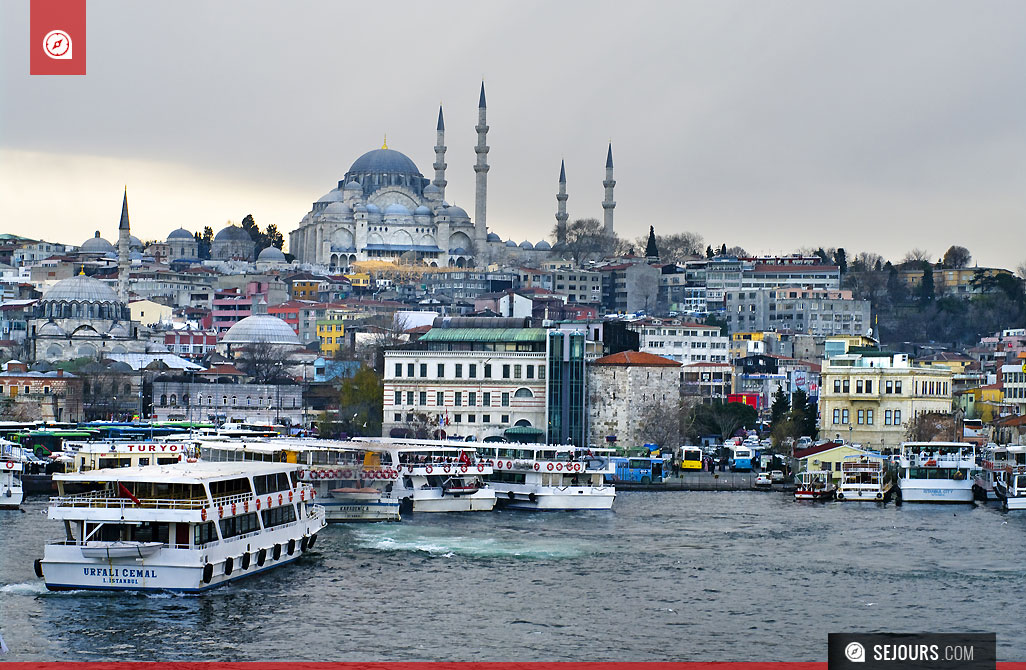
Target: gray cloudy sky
x=875, y=126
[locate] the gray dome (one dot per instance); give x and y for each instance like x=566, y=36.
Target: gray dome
x=423, y=210
x=526, y=245
x=543, y=246
x=80, y=288
x=384, y=160
x=432, y=191
x=134, y=241
x=385, y=168
x=334, y=195
x=339, y=209
x=51, y=328
x=396, y=209
x=261, y=329
x=96, y=245
x=354, y=186
x=494, y=237
x=510, y=243
x=271, y=255
x=180, y=234
x=373, y=209
x=458, y=251
x=232, y=234
x=360, y=207
x=457, y=212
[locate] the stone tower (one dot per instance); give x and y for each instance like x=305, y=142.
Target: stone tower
x=608, y=204
x=481, y=191
x=440, y=165
x=561, y=197
x=124, y=262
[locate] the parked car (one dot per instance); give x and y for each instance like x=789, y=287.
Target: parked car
x=763, y=480
x=777, y=476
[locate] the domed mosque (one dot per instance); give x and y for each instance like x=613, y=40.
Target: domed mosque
x=384, y=208
x=258, y=330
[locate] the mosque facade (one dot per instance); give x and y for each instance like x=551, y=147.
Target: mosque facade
x=384, y=208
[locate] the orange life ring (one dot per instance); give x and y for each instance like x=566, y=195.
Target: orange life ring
x=9, y=465
x=428, y=469
x=480, y=467
x=233, y=509
x=220, y=511
x=290, y=496
x=281, y=498
x=498, y=464
x=258, y=503
x=549, y=467
x=559, y=466
x=509, y=464
x=537, y=466
x=268, y=502
x=463, y=468
x=411, y=468
x=447, y=467
x=203, y=513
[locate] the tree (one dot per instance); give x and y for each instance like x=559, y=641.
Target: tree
x=273, y=237
x=250, y=226
x=737, y=251
x=780, y=407
x=723, y=250
x=661, y=425
x=675, y=248
x=931, y=427
x=1020, y=271
x=360, y=403
x=926, y=288
x=914, y=257
x=841, y=260
x=265, y=363
x=205, y=242
x=586, y=240
x=724, y=419
x=709, y=253
x=804, y=413
x=956, y=257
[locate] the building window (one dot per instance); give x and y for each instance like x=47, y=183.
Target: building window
x=471, y=418
x=530, y=372
x=439, y=398
x=897, y=417
x=505, y=372
x=486, y=399
x=837, y=386
x=457, y=418
x=398, y=399
x=844, y=417
x=517, y=371
x=505, y=419
x=858, y=386
x=459, y=370
x=423, y=398
x=505, y=400
x=846, y=384
x=472, y=371
x=541, y=372
x=862, y=417
x=887, y=417
x=486, y=418
x=409, y=369
x=397, y=417
x=837, y=416
x=423, y=369
x=523, y=393
x=488, y=371
x=889, y=388
x=869, y=386
x=869, y=417
x=458, y=398
x=441, y=370
x=409, y=397
x=398, y=369
x=472, y=398
x=897, y=387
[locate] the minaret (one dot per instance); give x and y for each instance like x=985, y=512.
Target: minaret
x=440, y=165
x=561, y=198
x=123, y=244
x=608, y=204
x=481, y=197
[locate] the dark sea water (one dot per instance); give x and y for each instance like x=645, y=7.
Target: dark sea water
x=665, y=576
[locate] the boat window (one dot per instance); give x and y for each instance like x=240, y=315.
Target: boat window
x=151, y=532
x=229, y=487
x=239, y=525
x=270, y=483
x=203, y=533
x=277, y=516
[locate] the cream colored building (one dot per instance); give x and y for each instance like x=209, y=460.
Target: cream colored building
x=148, y=312
x=871, y=397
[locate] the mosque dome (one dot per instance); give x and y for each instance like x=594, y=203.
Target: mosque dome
x=261, y=329
x=232, y=234
x=543, y=246
x=360, y=207
x=396, y=209
x=526, y=245
x=511, y=243
x=423, y=210
x=271, y=255
x=334, y=195
x=354, y=186
x=96, y=245
x=80, y=288
x=180, y=234
x=494, y=237
x=337, y=209
x=431, y=191
x=457, y=212
x=458, y=251
x=373, y=209
x=134, y=242
x=386, y=167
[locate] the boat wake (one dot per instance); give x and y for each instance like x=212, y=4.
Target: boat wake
x=457, y=545
x=24, y=589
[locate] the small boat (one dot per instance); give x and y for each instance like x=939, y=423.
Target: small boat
x=12, y=489
x=120, y=549
x=460, y=487
x=937, y=472
x=862, y=478
x=815, y=485
x=1010, y=487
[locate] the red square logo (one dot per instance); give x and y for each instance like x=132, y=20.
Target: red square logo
x=57, y=37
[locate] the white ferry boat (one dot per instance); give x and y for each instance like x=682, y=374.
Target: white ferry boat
x=86, y=456
x=814, y=485
x=352, y=481
x=434, y=475
x=937, y=472
x=12, y=490
x=182, y=527
x=862, y=478
x=992, y=467
x=550, y=477
x=1010, y=486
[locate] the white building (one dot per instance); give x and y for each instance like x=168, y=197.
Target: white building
x=682, y=341
x=1013, y=378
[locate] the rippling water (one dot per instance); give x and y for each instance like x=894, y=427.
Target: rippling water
x=665, y=576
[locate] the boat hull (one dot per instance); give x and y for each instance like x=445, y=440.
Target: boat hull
x=827, y=494
x=436, y=501
x=347, y=511
x=861, y=495
x=12, y=501
x=936, y=490
x=541, y=499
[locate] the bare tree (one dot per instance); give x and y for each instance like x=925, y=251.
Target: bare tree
x=737, y=251
x=1020, y=271
x=586, y=240
x=916, y=257
x=265, y=363
x=931, y=427
x=956, y=257
x=675, y=248
x=660, y=424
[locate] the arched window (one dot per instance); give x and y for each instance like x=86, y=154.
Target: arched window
x=523, y=393
x=224, y=400
x=163, y=400
x=185, y=399
x=249, y=400
x=128, y=389
x=174, y=399
x=522, y=422
x=235, y=400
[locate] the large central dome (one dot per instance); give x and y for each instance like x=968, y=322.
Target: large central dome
x=385, y=167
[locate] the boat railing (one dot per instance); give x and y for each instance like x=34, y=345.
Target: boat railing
x=315, y=512
x=94, y=501
x=85, y=543
x=238, y=498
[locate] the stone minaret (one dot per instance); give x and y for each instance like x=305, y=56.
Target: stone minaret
x=561, y=197
x=124, y=263
x=481, y=192
x=440, y=165
x=608, y=204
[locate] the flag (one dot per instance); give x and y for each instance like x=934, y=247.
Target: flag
x=464, y=459
x=128, y=493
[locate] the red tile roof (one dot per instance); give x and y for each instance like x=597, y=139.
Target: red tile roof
x=636, y=358
x=816, y=449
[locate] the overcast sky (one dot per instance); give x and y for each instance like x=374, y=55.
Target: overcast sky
x=875, y=126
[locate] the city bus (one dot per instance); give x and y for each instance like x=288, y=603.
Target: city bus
x=691, y=458
x=741, y=458
x=637, y=469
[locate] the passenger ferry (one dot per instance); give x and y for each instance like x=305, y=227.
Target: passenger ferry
x=86, y=456
x=435, y=475
x=1010, y=486
x=814, y=485
x=352, y=482
x=550, y=477
x=182, y=527
x=12, y=491
x=862, y=478
x=937, y=472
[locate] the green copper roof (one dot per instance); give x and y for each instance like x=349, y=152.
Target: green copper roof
x=484, y=335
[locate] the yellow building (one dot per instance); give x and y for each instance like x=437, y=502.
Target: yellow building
x=331, y=331
x=360, y=280
x=984, y=402
x=827, y=456
x=870, y=397
x=952, y=281
x=746, y=343
x=305, y=289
